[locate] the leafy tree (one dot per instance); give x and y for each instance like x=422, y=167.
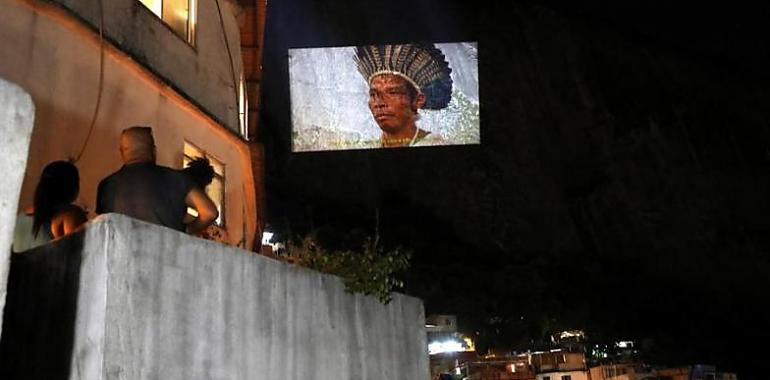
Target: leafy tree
x=371, y=270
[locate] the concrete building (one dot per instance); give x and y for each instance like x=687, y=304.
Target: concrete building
x=694, y=372
x=94, y=67
x=563, y=375
x=559, y=365
x=625, y=371
x=506, y=368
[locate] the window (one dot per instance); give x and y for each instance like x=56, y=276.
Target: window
x=215, y=190
x=546, y=377
x=179, y=15
x=243, y=108
x=566, y=377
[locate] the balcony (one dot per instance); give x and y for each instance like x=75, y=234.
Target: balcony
x=123, y=299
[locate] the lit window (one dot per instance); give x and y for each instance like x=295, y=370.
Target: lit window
x=216, y=189
x=179, y=15
x=243, y=108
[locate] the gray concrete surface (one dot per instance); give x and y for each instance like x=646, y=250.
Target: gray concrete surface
x=152, y=303
x=17, y=115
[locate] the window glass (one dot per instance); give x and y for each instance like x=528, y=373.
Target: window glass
x=179, y=15
x=176, y=14
x=243, y=109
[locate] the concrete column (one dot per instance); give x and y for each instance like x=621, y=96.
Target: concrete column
x=17, y=115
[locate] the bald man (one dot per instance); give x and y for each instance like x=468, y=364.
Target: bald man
x=146, y=191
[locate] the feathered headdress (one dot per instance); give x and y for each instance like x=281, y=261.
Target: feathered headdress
x=422, y=65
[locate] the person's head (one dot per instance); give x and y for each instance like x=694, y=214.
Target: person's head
x=200, y=171
x=394, y=102
x=137, y=145
x=403, y=79
x=59, y=185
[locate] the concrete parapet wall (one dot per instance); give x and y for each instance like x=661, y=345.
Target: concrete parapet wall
x=17, y=115
x=152, y=303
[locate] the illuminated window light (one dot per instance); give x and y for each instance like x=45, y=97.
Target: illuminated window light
x=266, y=236
x=243, y=109
x=179, y=15
x=444, y=347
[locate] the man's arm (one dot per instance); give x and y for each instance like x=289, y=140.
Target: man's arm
x=207, y=211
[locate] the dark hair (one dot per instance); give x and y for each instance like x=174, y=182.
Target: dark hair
x=200, y=171
x=411, y=91
x=59, y=185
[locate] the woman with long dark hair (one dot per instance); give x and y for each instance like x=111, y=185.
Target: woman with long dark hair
x=52, y=214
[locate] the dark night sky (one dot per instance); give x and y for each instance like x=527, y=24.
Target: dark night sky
x=621, y=184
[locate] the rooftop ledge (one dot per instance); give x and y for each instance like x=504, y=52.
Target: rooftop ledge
x=124, y=299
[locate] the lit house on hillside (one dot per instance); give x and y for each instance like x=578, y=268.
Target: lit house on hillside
x=95, y=67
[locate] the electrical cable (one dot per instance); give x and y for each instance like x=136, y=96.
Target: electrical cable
x=229, y=55
x=101, y=82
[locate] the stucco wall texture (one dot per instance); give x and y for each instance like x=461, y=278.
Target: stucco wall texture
x=17, y=115
x=152, y=303
x=201, y=70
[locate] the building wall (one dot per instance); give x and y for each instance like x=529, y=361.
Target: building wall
x=55, y=57
x=129, y=300
x=201, y=71
x=565, y=361
x=614, y=372
x=574, y=375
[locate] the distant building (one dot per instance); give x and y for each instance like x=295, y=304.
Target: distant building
x=625, y=371
x=450, y=362
x=558, y=360
x=695, y=372
x=449, y=350
x=548, y=365
x=442, y=334
x=570, y=340
x=563, y=375
x=441, y=323
x=497, y=370
x=618, y=352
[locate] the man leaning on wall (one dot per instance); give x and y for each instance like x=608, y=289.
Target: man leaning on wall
x=144, y=190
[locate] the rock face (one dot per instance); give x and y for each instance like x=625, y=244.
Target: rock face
x=621, y=183
x=129, y=300
x=17, y=116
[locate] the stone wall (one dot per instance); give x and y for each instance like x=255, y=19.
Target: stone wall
x=145, y=302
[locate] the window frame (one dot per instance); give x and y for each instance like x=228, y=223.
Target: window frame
x=190, y=35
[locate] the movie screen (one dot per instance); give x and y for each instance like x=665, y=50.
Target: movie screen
x=384, y=96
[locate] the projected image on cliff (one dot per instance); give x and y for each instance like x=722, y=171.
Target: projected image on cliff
x=383, y=96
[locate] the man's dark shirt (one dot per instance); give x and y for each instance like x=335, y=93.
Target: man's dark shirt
x=146, y=191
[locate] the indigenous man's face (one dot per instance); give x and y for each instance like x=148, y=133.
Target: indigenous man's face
x=389, y=101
